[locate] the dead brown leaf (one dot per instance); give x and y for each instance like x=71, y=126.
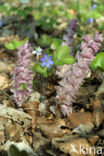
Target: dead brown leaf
x=39, y=141
x=75, y=119
x=73, y=145
x=6, y=67
x=8, y=39
x=93, y=139
x=31, y=107
x=71, y=11
x=17, y=116
x=84, y=94
x=52, y=128
x=83, y=129
x=98, y=114
x=9, y=130
x=4, y=81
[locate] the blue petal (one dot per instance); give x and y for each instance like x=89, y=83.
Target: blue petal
x=94, y=6
x=42, y=59
x=45, y=56
x=50, y=58
x=1, y=23
x=43, y=64
x=47, y=64
x=51, y=62
x=90, y=20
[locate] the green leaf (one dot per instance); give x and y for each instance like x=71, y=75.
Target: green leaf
x=22, y=87
x=22, y=13
x=55, y=44
x=61, y=56
x=18, y=44
x=45, y=40
x=10, y=46
x=39, y=69
x=98, y=62
x=13, y=9
x=34, y=83
x=29, y=9
x=62, y=52
x=37, y=15
x=2, y=7
x=15, y=44
x=68, y=60
x=45, y=74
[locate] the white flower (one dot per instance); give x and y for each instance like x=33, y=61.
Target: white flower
x=47, y=4
x=24, y=1
x=38, y=51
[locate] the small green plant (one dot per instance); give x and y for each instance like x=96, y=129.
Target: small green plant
x=98, y=62
x=21, y=11
x=56, y=43
x=41, y=70
x=44, y=66
x=22, y=87
x=45, y=40
x=47, y=22
x=61, y=56
x=13, y=45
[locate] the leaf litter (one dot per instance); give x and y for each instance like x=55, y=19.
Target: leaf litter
x=37, y=128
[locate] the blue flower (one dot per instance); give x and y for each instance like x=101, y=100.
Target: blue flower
x=90, y=20
x=93, y=6
x=46, y=61
x=38, y=51
x=1, y=23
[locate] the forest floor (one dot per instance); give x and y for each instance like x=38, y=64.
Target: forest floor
x=39, y=130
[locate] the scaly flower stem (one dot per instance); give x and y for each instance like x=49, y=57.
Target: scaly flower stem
x=22, y=75
x=74, y=77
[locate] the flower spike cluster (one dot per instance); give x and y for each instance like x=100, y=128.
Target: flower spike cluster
x=69, y=36
x=68, y=40
x=22, y=75
x=74, y=77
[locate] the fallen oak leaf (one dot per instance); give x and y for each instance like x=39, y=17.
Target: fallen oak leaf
x=52, y=128
x=31, y=107
x=73, y=145
x=83, y=129
x=79, y=118
x=98, y=114
x=17, y=116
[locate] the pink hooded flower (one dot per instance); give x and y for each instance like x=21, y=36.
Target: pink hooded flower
x=74, y=77
x=22, y=75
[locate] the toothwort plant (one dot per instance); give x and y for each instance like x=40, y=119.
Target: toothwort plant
x=22, y=75
x=69, y=36
x=74, y=77
x=68, y=40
